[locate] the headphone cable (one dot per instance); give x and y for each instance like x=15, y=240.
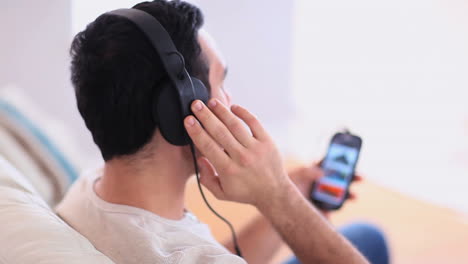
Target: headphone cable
x=197, y=174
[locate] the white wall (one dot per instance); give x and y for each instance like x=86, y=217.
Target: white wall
x=34, y=46
x=34, y=51
x=397, y=73
x=86, y=11
x=256, y=38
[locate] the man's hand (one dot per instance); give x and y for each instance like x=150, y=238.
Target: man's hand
x=238, y=165
x=304, y=176
x=246, y=167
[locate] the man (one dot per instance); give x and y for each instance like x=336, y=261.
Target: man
x=133, y=209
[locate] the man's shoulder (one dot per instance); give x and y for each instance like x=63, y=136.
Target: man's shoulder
x=133, y=235
x=78, y=193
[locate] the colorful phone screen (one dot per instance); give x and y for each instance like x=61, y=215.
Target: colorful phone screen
x=338, y=167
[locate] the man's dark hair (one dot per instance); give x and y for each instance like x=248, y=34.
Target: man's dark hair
x=116, y=73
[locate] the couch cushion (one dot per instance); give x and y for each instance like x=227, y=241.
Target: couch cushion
x=32, y=149
x=31, y=232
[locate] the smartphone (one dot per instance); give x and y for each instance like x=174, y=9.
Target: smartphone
x=331, y=191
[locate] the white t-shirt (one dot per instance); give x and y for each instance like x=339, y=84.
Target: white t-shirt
x=130, y=235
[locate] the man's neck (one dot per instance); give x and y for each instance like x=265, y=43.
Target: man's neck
x=155, y=184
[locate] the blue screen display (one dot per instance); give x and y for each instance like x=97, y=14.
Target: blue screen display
x=338, y=169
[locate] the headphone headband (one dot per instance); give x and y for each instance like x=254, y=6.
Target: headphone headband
x=171, y=58
x=188, y=88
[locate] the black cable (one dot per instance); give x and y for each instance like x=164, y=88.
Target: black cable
x=197, y=174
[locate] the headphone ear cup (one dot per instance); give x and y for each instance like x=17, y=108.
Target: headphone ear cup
x=201, y=93
x=167, y=112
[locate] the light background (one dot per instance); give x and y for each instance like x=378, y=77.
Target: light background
x=394, y=72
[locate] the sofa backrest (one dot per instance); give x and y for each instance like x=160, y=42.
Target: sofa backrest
x=30, y=232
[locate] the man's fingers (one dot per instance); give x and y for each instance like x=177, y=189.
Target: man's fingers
x=358, y=178
x=314, y=173
x=209, y=179
x=257, y=129
x=319, y=163
x=205, y=144
x=232, y=122
x=216, y=128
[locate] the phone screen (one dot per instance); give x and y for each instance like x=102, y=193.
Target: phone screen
x=338, y=167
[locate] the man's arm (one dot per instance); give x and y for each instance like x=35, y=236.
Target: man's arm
x=246, y=167
x=259, y=239
x=306, y=231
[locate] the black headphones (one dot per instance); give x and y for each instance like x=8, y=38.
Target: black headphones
x=172, y=104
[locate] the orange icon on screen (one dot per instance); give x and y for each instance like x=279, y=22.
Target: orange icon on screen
x=331, y=190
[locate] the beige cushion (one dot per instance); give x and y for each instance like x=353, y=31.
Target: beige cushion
x=31, y=232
